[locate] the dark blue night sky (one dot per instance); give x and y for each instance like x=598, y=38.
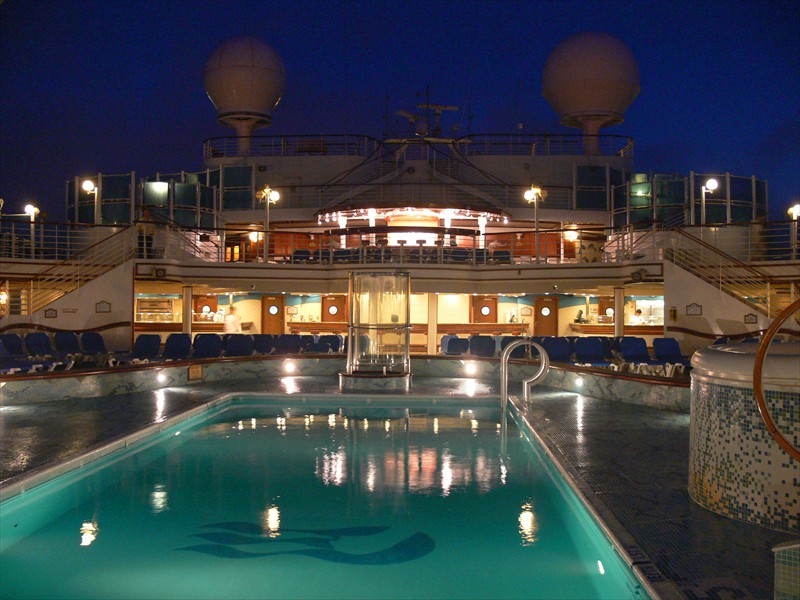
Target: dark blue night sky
x=117, y=85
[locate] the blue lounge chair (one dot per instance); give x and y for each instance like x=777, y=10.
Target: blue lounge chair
x=334, y=340
x=317, y=348
x=68, y=344
x=263, y=343
x=145, y=349
x=288, y=343
x=557, y=349
x=238, y=344
x=519, y=351
x=457, y=346
x=95, y=346
x=301, y=256
x=481, y=345
x=668, y=351
x=177, y=347
x=39, y=347
x=635, y=355
x=14, y=345
x=207, y=345
x=10, y=365
x=589, y=352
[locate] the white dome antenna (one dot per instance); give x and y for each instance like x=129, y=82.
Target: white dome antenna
x=590, y=80
x=245, y=80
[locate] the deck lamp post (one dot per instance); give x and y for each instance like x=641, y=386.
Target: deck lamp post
x=31, y=210
x=709, y=187
x=268, y=196
x=794, y=212
x=532, y=196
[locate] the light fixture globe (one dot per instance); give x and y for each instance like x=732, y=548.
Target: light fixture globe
x=712, y=184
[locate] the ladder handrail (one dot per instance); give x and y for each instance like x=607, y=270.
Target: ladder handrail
x=544, y=366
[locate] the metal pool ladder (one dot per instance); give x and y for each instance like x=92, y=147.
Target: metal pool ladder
x=527, y=384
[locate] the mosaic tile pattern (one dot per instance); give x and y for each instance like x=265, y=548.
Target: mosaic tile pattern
x=736, y=469
x=787, y=573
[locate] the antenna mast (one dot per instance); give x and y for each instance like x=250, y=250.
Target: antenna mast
x=437, y=114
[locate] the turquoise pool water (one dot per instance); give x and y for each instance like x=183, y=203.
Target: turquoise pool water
x=264, y=500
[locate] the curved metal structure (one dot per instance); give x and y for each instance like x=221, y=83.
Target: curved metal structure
x=758, y=390
x=541, y=373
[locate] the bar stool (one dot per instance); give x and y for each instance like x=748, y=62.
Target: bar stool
x=420, y=243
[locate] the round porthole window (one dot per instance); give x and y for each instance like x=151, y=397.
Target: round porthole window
x=273, y=310
x=485, y=310
x=545, y=311
x=333, y=310
x=609, y=312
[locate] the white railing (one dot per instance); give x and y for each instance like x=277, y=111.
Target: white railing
x=768, y=295
x=82, y=266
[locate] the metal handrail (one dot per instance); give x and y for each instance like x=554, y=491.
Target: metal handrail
x=758, y=388
x=729, y=273
x=544, y=366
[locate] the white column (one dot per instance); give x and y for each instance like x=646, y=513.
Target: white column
x=619, y=311
x=433, y=312
x=186, y=301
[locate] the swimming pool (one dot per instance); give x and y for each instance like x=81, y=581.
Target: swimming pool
x=279, y=499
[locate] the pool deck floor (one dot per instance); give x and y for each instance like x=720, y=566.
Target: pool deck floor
x=630, y=462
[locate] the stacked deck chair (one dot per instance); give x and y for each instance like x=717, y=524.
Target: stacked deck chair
x=207, y=345
x=177, y=347
x=145, y=350
x=39, y=346
x=589, y=353
x=668, y=351
x=519, y=351
x=238, y=344
x=317, y=348
x=67, y=344
x=557, y=349
x=14, y=345
x=481, y=346
x=263, y=343
x=334, y=340
x=10, y=364
x=456, y=346
x=94, y=346
x=288, y=343
x=635, y=354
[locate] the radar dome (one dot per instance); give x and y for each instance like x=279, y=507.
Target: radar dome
x=245, y=80
x=590, y=79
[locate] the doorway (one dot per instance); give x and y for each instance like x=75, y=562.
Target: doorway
x=545, y=315
x=484, y=309
x=334, y=309
x=272, y=320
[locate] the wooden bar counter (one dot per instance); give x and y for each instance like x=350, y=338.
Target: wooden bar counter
x=607, y=329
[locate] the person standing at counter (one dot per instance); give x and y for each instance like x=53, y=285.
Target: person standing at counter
x=233, y=324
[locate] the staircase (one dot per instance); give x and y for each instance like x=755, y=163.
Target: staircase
x=766, y=293
x=83, y=266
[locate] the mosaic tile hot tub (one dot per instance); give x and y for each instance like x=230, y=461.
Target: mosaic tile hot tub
x=736, y=468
